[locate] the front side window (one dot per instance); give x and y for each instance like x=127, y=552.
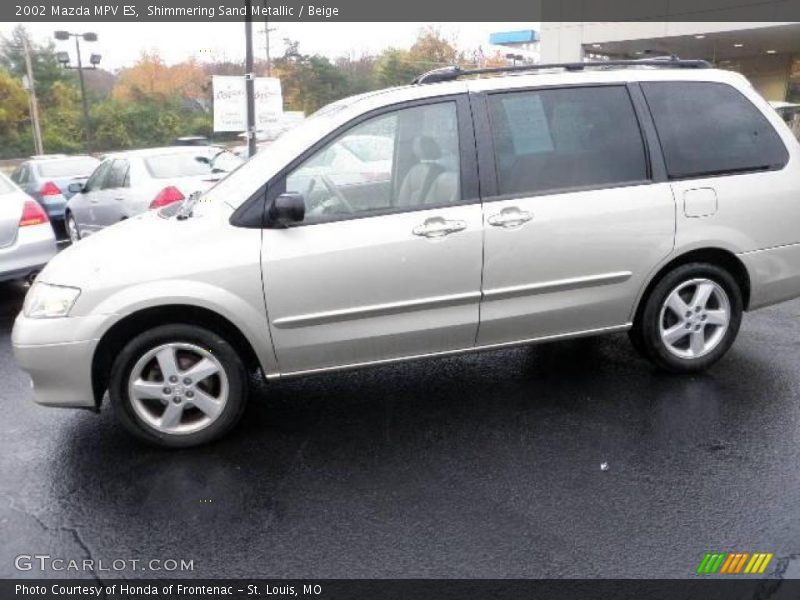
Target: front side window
x=560, y=139
x=708, y=128
x=402, y=160
x=96, y=179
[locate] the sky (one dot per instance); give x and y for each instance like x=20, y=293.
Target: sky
x=120, y=44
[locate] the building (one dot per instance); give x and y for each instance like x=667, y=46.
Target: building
x=767, y=53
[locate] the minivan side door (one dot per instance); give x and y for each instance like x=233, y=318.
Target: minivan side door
x=575, y=215
x=380, y=268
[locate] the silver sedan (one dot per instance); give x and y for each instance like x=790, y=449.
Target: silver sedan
x=27, y=241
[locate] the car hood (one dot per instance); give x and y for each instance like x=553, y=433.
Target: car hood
x=144, y=248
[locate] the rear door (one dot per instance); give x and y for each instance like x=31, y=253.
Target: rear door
x=574, y=216
x=379, y=271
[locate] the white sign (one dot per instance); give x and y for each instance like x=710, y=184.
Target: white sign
x=230, y=102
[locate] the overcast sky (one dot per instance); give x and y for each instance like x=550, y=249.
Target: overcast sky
x=120, y=44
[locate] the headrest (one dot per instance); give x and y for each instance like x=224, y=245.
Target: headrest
x=426, y=148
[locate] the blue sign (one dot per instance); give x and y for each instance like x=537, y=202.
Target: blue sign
x=525, y=36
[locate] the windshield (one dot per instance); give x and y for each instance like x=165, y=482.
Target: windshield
x=204, y=162
x=69, y=167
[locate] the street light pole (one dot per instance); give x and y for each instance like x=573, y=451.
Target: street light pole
x=86, y=123
x=94, y=59
x=249, y=81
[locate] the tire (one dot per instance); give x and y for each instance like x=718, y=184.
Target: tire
x=73, y=232
x=677, y=330
x=140, y=389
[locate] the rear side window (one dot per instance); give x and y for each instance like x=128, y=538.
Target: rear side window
x=559, y=139
x=117, y=174
x=70, y=167
x=708, y=128
x=6, y=187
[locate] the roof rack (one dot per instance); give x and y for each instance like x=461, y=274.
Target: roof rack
x=454, y=72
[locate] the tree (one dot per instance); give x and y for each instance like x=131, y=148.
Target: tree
x=150, y=77
x=15, y=134
x=308, y=82
x=46, y=69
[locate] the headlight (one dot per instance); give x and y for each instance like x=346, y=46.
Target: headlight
x=45, y=301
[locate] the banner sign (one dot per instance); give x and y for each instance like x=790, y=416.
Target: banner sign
x=230, y=102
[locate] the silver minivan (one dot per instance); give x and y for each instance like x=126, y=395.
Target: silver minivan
x=662, y=199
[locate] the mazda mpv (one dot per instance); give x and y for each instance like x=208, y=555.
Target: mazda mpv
x=658, y=198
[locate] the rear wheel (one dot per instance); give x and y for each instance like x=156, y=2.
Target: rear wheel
x=178, y=386
x=690, y=318
x=72, y=229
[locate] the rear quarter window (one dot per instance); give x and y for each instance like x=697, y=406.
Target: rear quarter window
x=709, y=128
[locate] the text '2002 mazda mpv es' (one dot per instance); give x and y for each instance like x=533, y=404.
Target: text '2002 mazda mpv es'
x=660, y=198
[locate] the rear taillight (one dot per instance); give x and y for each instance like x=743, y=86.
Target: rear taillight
x=50, y=189
x=169, y=195
x=32, y=214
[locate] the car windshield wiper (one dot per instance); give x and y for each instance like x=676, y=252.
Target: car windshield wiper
x=187, y=208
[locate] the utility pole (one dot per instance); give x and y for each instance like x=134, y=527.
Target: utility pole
x=34, y=105
x=249, y=79
x=267, y=31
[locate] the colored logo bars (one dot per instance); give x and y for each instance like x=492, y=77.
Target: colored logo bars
x=734, y=563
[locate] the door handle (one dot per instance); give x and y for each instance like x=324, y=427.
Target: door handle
x=437, y=227
x=510, y=218
x=119, y=198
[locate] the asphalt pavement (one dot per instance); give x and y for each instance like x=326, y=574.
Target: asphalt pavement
x=487, y=465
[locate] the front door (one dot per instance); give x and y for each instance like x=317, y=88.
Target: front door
x=387, y=262
x=577, y=222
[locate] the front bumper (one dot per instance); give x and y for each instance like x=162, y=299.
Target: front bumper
x=57, y=354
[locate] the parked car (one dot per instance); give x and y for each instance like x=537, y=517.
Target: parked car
x=790, y=112
x=658, y=198
x=47, y=178
x=128, y=183
x=27, y=240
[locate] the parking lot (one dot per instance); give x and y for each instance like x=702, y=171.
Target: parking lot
x=486, y=465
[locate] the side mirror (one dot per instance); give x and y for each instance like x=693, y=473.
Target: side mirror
x=75, y=187
x=287, y=208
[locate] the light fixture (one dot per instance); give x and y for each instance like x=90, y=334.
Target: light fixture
x=62, y=58
x=62, y=35
x=95, y=59
x=90, y=36
x=639, y=52
x=597, y=45
x=771, y=51
x=699, y=37
x=738, y=45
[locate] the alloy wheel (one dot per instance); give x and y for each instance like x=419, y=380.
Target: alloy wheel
x=694, y=318
x=178, y=388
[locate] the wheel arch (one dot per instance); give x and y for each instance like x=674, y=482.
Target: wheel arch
x=716, y=256
x=119, y=334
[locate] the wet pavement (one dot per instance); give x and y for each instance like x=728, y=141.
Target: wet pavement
x=487, y=465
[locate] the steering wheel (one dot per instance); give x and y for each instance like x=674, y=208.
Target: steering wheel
x=331, y=187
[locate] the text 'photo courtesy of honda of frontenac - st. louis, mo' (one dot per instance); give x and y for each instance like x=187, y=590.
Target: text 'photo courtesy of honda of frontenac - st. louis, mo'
x=513, y=206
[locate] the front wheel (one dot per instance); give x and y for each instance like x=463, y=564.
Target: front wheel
x=178, y=386
x=72, y=229
x=690, y=318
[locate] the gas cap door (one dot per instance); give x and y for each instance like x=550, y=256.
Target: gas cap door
x=699, y=202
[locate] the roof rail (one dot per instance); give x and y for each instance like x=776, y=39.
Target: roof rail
x=454, y=72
